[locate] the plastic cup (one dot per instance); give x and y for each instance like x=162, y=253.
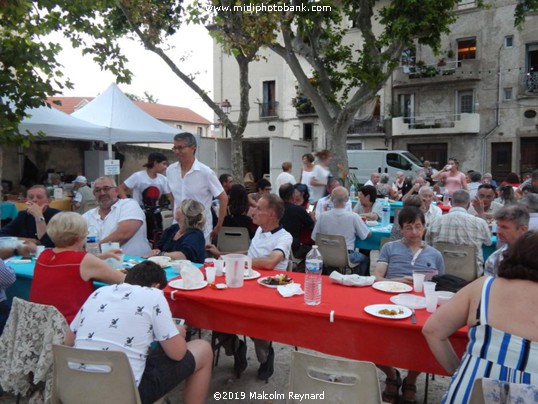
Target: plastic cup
x=219, y=266
x=431, y=302
x=249, y=267
x=429, y=287
x=210, y=273
x=418, y=281
x=38, y=250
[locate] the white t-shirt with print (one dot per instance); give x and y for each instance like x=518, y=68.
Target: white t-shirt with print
x=140, y=181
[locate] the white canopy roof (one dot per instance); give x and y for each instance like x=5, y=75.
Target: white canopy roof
x=125, y=121
x=59, y=124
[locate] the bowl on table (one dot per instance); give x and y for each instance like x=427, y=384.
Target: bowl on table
x=443, y=296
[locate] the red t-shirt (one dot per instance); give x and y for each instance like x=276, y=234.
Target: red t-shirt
x=57, y=282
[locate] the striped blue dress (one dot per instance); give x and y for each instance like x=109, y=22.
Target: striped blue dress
x=493, y=354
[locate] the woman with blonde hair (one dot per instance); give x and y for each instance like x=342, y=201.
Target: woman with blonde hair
x=185, y=239
x=64, y=275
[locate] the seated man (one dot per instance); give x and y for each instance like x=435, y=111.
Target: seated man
x=269, y=249
x=343, y=223
x=117, y=220
x=483, y=204
x=8, y=278
x=397, y=260
x=82, y=193
x=325, y=204
x=129, y=317
x=31, y=224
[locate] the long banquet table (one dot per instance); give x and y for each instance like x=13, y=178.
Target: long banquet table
x=261, y=312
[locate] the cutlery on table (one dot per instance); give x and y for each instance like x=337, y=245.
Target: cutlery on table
x=413, y=319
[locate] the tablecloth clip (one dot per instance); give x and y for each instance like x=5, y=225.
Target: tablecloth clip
x=172, y=294
x=331, y=316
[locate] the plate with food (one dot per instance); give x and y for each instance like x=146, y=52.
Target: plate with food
x=275, y=281
x=391, y=311
x=392, y=287
x=409, y=300
x=178, y=284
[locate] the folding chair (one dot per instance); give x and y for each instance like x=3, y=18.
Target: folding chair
x=340, y=380
x=460, y=260
x=233, y=239
x=87, y=376
x=334, y=251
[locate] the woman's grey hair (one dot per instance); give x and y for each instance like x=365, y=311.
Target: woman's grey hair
x=66, y=228
x=531, y=202
x=193, y=212
x=384, y=178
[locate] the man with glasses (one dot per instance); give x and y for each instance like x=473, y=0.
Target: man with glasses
x=191, y=179
x=117, y=220
x=484, y=205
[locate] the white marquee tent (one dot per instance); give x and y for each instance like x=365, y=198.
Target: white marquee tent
x=125, y=121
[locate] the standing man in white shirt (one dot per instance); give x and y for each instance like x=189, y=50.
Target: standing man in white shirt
x=285, y=176
x=117, y=220
x=190, y=179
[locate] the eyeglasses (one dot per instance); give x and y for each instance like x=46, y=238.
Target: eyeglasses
x=179, y=148
x=104, y=189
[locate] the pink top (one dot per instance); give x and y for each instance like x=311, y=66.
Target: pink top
x=453, y=182
x=57, y=282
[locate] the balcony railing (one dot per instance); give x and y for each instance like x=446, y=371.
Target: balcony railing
x=268, y=109
x=436, y=124
x=529, y=82
x=375, y=125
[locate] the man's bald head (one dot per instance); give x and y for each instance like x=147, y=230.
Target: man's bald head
x=339, y=196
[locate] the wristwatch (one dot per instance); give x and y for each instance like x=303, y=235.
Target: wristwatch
x=41, y=219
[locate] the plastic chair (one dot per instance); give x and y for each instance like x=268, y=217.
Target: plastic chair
x=460, y=260
x=168, y=218
x=87, y=205
x=233, y=239
x=341, y=380
x=333, y=248
x=75, y=381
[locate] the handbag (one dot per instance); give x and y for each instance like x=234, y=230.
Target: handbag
x=450, y=283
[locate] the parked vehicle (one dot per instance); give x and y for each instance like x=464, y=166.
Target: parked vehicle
x=363, y=163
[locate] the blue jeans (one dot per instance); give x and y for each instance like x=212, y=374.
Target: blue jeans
x=364, y=262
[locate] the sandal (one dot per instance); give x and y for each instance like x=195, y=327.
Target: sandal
x=408, y=387
x=392, y=397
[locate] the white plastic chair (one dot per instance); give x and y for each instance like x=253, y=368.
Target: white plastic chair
x=333, y=248
x=460, y=260
x=340, y=380
x=233, y=239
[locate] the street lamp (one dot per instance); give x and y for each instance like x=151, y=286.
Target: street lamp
x=226, y=107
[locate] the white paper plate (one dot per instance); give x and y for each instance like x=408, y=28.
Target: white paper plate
x=392, y=287
x=409, y=300
x=374, y=310
x=178, y=284
x=255, y=275
x=260, y=281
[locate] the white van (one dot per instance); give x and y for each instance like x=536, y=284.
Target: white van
x=363, y=163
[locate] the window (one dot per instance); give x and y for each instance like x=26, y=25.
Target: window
x=199, y=130
x=465, y=102
x=308, y=129
x=179, y=126
x=508, y=93
x=406, y=106
x=269, y=104
x=465, y=4
x=508, y=41
x=398, y=161
x=354, y=146
x=466, y=49
x=532, y=67
x=408, y=57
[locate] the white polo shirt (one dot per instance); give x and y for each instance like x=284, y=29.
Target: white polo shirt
x=123, y=209
x=200, y=184
x=264, y=243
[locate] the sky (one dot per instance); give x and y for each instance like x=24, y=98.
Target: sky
x=150, y=73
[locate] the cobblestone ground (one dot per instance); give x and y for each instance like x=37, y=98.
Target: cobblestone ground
x=224, y=381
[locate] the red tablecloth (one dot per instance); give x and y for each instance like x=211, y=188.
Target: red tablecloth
x=258, y=311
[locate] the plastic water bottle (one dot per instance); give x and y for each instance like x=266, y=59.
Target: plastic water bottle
x=352, y=191
x=312, y=280
x=385, y=219
x=446, y=198
x=92, y=244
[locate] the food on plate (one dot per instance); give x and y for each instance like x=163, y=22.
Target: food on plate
x=390, y=312
x=281, y=279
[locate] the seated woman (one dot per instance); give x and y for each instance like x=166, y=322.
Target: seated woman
x=502, y=337
x=185, y=239
x=367, y=206
x=301, y=196
x=238, y=206
x=63, y=276
x=397, y=260
x=263, y=187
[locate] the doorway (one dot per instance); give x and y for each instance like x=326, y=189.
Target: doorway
x=529, y=154
x=501, y=160
x=435, y=153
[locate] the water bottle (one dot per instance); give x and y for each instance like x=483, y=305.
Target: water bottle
x=385, y=219
x=312, y=280
x=92, y=244
x=446, y=198
x=352, y=191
